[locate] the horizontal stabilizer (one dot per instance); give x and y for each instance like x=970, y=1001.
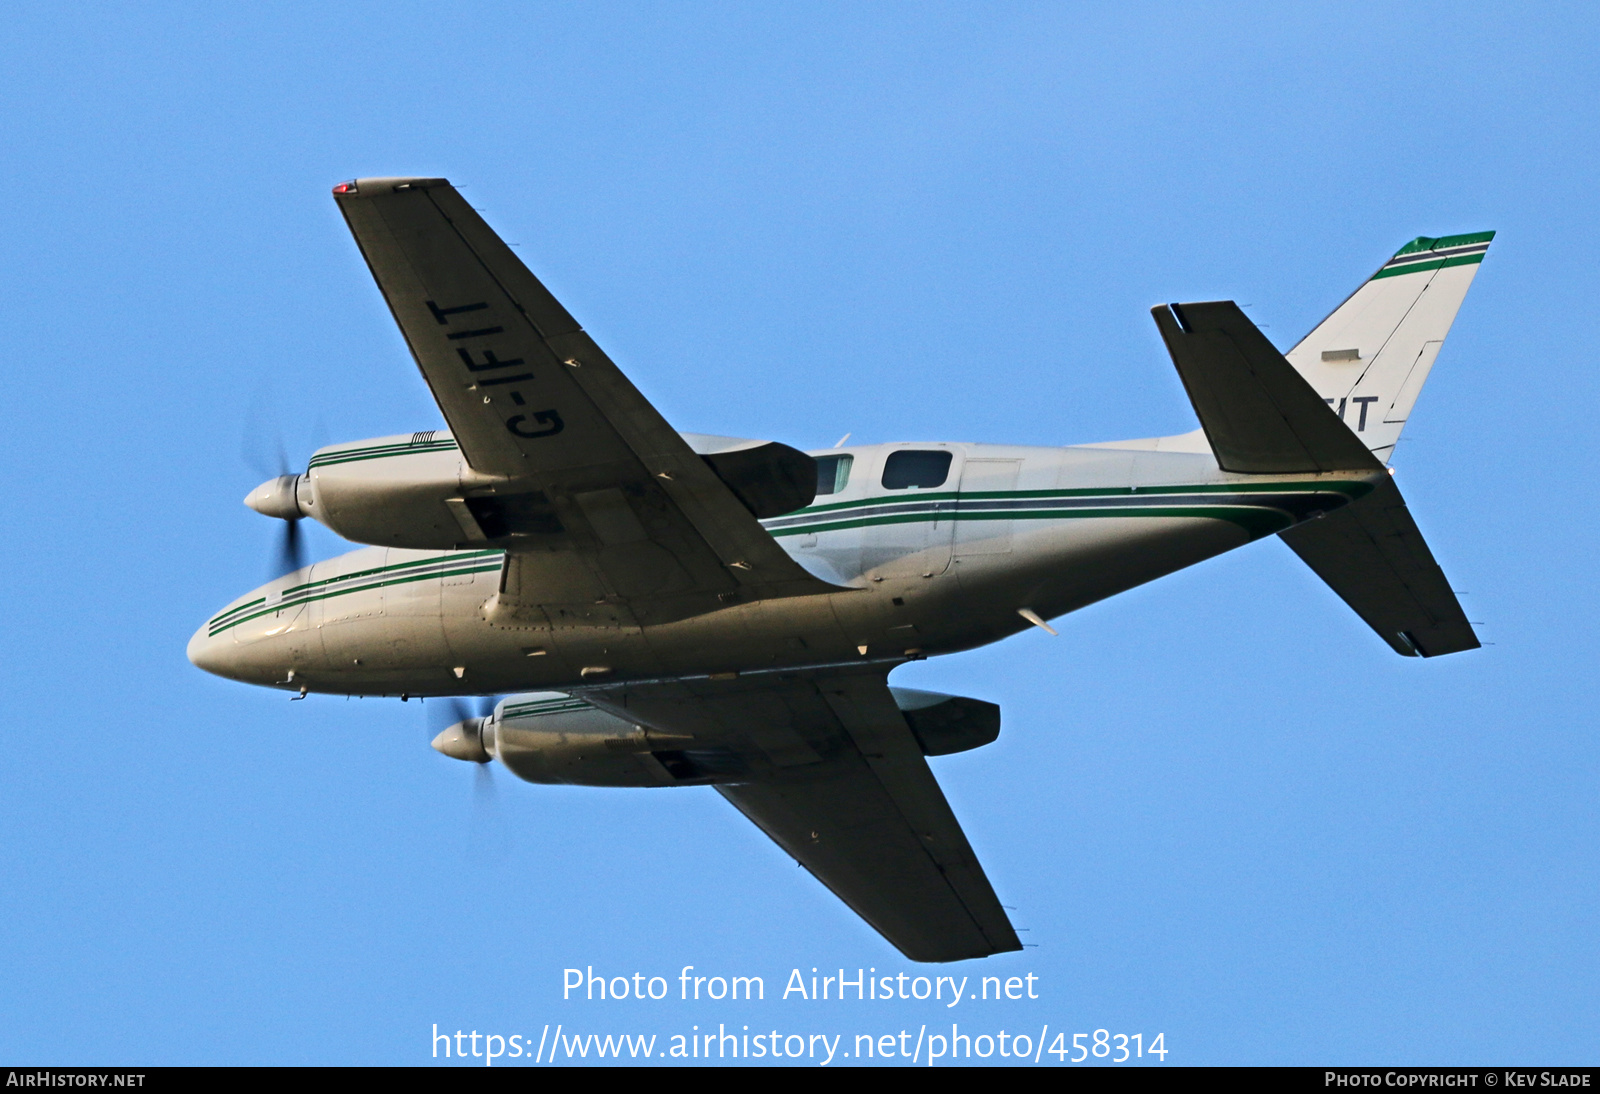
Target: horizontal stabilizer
x=1372, y=554
x=1258, y=413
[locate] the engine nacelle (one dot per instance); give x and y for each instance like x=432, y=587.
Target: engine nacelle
x=549, y=737
x=416, y=491
x=771, y=479
x=944, y=724
x=391, y=491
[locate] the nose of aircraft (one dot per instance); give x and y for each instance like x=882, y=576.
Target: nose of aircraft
x=210, y=654
x=261, y=661
x=204, y=651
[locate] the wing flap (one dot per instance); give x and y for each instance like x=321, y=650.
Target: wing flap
x=1373, y=555
x=836, y=778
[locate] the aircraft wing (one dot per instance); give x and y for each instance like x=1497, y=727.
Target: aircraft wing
x=575, y=461
x=829, y=768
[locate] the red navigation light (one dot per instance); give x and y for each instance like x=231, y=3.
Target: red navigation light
x=346, y=187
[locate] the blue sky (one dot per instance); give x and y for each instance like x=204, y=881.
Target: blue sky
x=1224, y=811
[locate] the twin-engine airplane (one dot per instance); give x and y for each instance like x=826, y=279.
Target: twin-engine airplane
x=712, y=610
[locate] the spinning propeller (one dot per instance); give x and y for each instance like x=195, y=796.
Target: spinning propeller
x=291, y=553
x=462, y=736
x=279, y=497
x=467, y=736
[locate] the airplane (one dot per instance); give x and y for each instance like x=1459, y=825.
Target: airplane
x=674, y=609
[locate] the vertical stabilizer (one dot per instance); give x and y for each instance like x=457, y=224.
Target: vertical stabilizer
x=1369, y=359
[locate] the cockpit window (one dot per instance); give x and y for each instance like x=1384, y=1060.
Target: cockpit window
x=909, y=469
x=832, y=473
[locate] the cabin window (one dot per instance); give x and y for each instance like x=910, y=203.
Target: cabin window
x=832, y=473
x=909, y=469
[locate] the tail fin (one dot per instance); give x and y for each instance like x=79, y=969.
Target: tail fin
x=1262, y=417
x=1369, y=359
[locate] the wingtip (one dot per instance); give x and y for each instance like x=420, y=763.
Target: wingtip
x=369, y=186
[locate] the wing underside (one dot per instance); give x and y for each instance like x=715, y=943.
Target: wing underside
x=831, y=771
x=573, y=464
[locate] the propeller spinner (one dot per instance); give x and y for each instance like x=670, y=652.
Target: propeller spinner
x=281, y=497
x=468, y=737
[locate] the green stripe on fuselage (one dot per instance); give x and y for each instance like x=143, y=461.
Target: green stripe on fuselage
x=1352, y=488
x=298, y=602
x=1258, y=520
x=354, y=575
x=1165, y=501
x=440, y=566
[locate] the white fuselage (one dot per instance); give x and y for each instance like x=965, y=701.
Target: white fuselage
x=925, y=569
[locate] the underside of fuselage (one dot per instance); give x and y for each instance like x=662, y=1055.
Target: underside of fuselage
x=920, y=572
